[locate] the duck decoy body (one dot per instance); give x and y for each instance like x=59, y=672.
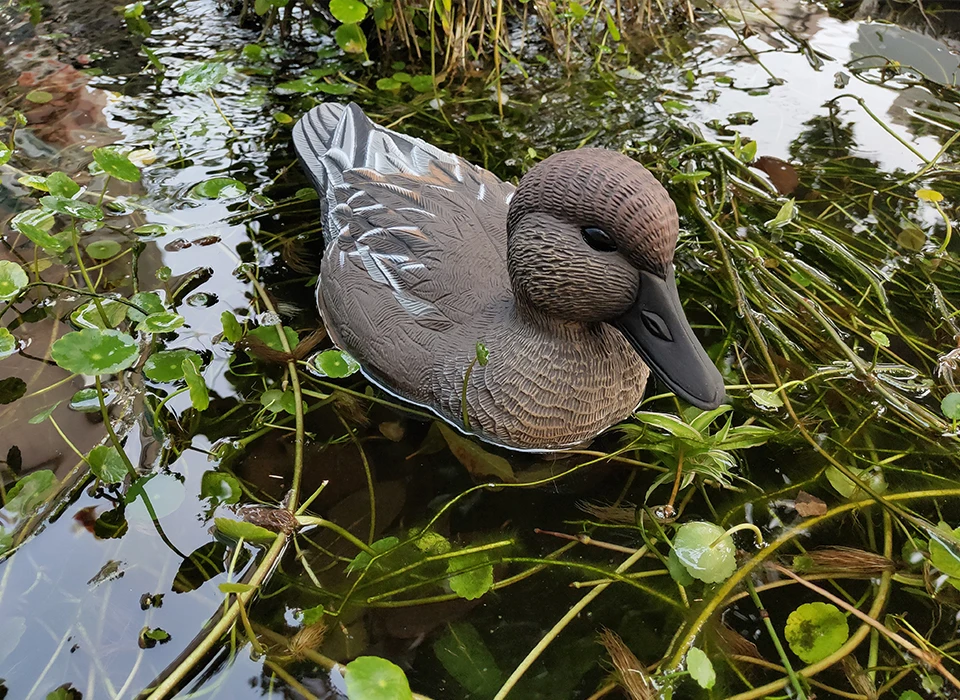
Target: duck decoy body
x=567, y=280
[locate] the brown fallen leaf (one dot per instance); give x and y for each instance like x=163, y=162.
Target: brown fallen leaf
x=783, y=175
x=807, y=505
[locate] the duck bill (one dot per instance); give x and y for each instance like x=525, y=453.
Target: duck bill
x=658, y=330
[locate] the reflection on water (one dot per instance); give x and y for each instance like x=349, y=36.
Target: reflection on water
x=72, y=598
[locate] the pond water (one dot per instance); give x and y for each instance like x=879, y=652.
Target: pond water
x=812, y=153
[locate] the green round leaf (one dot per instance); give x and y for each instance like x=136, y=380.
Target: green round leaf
x=766, y=399
x=34, y=181
x=72, y=207
x=880, y=338
x=272, y=400
x=307, y=194
x=678, y=571
x=477, y=576
x=929, y=196
x=60, y=185
x=86, y=401
x=155, y=230
x=94, y=351
x=373, y=678
x=167, y=365
x=700, y=668
x=8, y=343
x=12, y=279
x=816, y=630
x=88, y=315
x=350, y=38
x=388, y=84
x=422, y=83
x=335, y=364
x=162, y=322
x=950, y=404
x=219, y=188
x=148, y=301
x=269, y=336
x=220, y=487
x=941, y=557
x=232, y=330
x=115, y=164
x=38, y=97
x=348, y=11
x=103, y=249
x=31, y=491
x=107, y=464
x=199, y=396
x=35, y=224
x=402, y=77
x=202, y=76
x=282, y=118
x=848, y=489
x=5, y=154
x=710, y=564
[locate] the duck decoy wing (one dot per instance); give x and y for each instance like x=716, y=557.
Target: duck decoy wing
x=425, y=225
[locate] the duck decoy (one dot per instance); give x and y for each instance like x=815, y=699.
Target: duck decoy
x=566, y=279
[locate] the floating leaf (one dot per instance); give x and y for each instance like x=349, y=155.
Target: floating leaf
x=94, y=351
x=704, y=560
x=306, y=194
x=373, y=678
x=941, y=557
x=388, y=84
x=8, y=343
x=150, y=302
x=72, y=207
x=335, y=364
x=61, y=185
x=199, y=396
x=471, y=575
x=202, y=77
x=167, y=365
x=351, y=38
x=232, y=330
x=880, y=338
x=678, y=572
x=238, y=529
x=35, y=225
x=282, y=118
x=103, y=249
x=88, y=315
x=238, y=588
x=39, y=97
x=816, y=630
x=950, y=405
x=269, y=336
x=31, y=491
x=929, y=196
x=220, y=487
x=477, y=460
x=700, y=668
x=155, y=230
x=348, y=11
x=311, y=616
x=422, y=83
x=848, y=489
x=219, y=188
x=464, y=655
x=115, y=164
x=766, y=399
x=34, y=181
x=784, y=216
x=164, y=492
x=5, y=154
x=107, y=464
x=85, y=401
x=12, y=279
x=162, y=322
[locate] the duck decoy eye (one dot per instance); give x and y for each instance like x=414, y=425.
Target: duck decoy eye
x=598, y=239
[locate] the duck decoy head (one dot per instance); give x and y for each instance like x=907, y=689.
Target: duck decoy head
x=591, y=237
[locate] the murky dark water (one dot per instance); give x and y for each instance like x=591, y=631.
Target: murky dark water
x=71, y=596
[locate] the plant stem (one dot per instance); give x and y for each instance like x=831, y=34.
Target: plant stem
x=107, y=423
x=781, y=652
